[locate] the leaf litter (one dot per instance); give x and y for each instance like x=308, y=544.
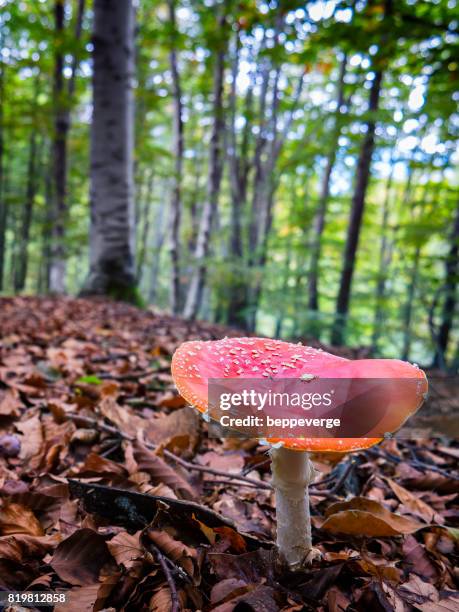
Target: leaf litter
x=111, y=490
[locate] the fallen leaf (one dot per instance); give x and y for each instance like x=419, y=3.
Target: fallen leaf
x=416, y=556
x=365, y=517
x=161, y=472
x=175, y=550
x=79, y=558
x=19, y=547
x=15, y=518
x=126, y=548
x=413, y=504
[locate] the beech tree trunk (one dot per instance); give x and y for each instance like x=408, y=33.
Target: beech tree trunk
x=408, y=310
x=450, y=295
x=57, y=264
x=195, y=289
x=112, y=229
x=62, y=117
x=239, y=166
x=20, y=272
x=385, y=256
x=3, y=203
x=177, y=151
x=355, y=220
x=145, y=215
x=319, y=220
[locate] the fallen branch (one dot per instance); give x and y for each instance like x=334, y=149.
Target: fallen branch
x=162, y=560
x=137, y=510
x=414, y=462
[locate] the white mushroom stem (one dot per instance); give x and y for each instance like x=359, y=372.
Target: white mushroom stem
x=292, y=472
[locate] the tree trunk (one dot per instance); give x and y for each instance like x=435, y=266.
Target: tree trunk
x=20, y=274
x=62, y=98
x=177, y=151
x=195, y=290
x=264, y=192
x=385, y=256
x=112, y=229
x=355, y=220
x=146, y=218
x=408, y=311
x=57, y=265
x=450, y=291
x=3, y=203
x=319, y=221
x=159, y=236
x=238, y=175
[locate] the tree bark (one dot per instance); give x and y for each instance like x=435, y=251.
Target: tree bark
x=408, y=310
x=319, y=220
x=62, y=118
x=355, y=220
x=177, y=151
x=3, y=203
x=20, y=273
x=146, y=218
x=238, y=173
x=385, y=256
x=159, y=236
x=450, y=295
x=195, y=290
x=57, y=266
x=112, y=229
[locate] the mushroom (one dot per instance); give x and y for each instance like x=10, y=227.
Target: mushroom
x=195, y=362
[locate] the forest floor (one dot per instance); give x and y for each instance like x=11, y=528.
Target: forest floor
x=112, y=491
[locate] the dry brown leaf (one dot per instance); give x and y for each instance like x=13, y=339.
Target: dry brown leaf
x=161, y=601
x=123, y=417
x=126, y=548
x=9, y=402
x=383, y=570
x=416, y=556
x=161, y=472
x=21, y=546
x=178, y=430
x=365, y=517
x=31, y=438
x=413, y=504
x=79, y=558
x=15, y=518
x=337, y=600
x=228, y=589
x=90, y=597
x=97, y=465
x=175, y=550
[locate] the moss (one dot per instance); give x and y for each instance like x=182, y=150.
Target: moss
x=126, y=293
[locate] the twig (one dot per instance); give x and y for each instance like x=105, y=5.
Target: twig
x=122, y=377
x=249, y=468
x=162, y=560
x=228, y=483
x=111, y=357
x=136, y=401
x=95, y=423
x=415, y=463
x=186, y=464
x=201, y=468
x=335, y=488
x=260, y=484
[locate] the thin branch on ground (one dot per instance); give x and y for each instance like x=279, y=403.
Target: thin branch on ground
x=162, y=560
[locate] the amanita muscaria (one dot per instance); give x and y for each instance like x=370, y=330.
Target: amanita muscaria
x=194, y=363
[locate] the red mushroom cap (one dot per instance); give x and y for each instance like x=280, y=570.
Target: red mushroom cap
x=195, y=362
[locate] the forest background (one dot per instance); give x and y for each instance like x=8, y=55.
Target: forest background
x=288, y=168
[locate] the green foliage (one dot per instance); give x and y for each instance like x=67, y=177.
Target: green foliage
x=416, y=134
